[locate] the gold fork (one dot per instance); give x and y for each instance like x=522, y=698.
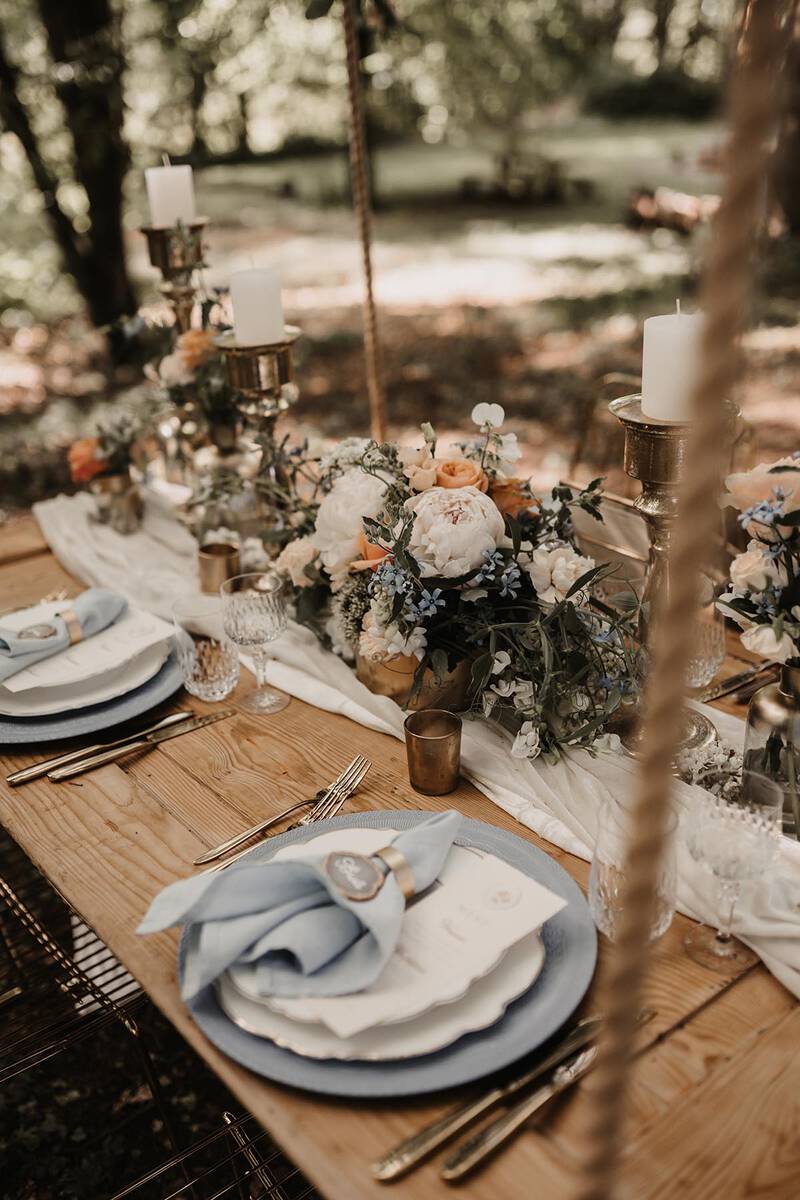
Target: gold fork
x=328, y=806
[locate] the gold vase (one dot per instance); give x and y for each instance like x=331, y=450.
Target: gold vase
x=772, y=741
x=395, y=679
x=118, y=502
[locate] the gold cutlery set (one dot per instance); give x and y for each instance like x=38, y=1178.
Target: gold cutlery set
x=568, y=1062
x=76, y=762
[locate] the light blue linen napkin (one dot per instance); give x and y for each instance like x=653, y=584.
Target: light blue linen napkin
x=301, y=934
x=95, y=609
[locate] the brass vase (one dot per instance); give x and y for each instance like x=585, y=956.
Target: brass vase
x=395, y=679
x=119, y=503
x=772, y=740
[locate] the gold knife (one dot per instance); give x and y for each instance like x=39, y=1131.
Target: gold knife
x=732, y=684
x=489, y=1139
x=418, y=1147
x=150, y=739
x=26, y=774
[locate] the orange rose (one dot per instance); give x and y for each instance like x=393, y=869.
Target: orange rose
x=460, y=472
x=84, y=460
x=195, y=348
x=512, y=497
x=371, y=555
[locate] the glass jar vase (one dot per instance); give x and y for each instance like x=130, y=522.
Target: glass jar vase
x=772, y=740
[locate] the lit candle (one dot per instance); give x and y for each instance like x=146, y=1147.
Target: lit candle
x=170, y=192
x=669, y=365
x=257, y=307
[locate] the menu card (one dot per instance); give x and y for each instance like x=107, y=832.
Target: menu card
x=454, y=933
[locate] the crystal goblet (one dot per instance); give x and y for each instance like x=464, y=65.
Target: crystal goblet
x=254, y=614
x=735, y=841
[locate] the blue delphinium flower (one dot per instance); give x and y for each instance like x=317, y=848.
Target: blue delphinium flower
x=427, y=605
x=492, y=562
x=510, y=580
x=766, y=512
x=392, y=578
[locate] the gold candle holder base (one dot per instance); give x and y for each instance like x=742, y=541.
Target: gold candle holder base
x=263, y=376
x=655, y=455
x=262, y=380
x=177, y=252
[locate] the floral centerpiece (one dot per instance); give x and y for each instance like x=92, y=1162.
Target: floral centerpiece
x=440, y=559
x=764, y=592
x=115, y=445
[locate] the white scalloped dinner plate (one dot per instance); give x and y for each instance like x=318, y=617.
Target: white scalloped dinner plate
x=402, y=1004
x=484, y=1004
x=49, y=701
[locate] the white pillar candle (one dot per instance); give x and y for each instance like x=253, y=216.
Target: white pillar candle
x=669, y=365
x=257, y=307
x=170, y=192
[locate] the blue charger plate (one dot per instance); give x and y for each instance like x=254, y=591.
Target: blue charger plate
x=162, y=685
x=570, y=945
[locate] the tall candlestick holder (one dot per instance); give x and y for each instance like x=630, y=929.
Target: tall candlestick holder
x=655, y=455
x=177, y=252
x=262, y=379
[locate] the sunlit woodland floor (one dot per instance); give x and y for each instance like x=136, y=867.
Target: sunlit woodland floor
x=526, y=306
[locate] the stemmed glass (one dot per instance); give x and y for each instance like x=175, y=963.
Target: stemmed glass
x=736, y=841
x=254, y=614
x=608, y=879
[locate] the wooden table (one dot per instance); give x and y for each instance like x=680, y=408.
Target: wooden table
x=715, y=1105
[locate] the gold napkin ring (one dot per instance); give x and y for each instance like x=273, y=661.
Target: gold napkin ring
x=70, y=619
x=398, y=865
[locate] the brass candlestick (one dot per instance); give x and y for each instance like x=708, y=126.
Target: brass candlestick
x=177, y=252
x=262, y=379
x=655, y=455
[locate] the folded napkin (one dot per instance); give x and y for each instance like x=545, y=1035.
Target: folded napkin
x=298, y=931
x=94, y=609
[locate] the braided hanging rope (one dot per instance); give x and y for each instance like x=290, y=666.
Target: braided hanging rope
x=726, y=301
x=362, y=202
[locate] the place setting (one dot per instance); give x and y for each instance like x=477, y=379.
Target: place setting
x=383, y=954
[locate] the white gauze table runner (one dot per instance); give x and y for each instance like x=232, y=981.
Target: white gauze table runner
x=157, y=565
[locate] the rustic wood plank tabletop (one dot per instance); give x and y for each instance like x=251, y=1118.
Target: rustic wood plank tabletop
x=715, y=1105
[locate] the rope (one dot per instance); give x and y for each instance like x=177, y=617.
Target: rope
x=725, y=300
x=361, y=199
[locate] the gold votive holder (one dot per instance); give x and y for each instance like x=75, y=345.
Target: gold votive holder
x=218, y=562
x=433, y=748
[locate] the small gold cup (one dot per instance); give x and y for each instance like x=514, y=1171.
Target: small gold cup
x=433, y=747
x=218, y=561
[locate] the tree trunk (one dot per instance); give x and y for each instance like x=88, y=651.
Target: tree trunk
x=787, y=164
x=242, y=140
x=15, y=119
x=197, y=70
x=84, y=42
x=663, y=12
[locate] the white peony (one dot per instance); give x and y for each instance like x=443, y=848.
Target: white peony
x=554, y=570
x=752, y=571
x=339, y=520
x=295, y=557
x=762, y=641
x=381, y=643
x=453, y=529
x=526, y=743
x=488, y=414
x=508, y=454
x=172, y=371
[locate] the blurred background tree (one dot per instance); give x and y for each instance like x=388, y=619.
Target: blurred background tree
x=213, y=81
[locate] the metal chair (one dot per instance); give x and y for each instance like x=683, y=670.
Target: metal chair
x=59, y=984
x=239, y=1160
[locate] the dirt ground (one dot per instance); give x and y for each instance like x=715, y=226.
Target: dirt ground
x=530, y=307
